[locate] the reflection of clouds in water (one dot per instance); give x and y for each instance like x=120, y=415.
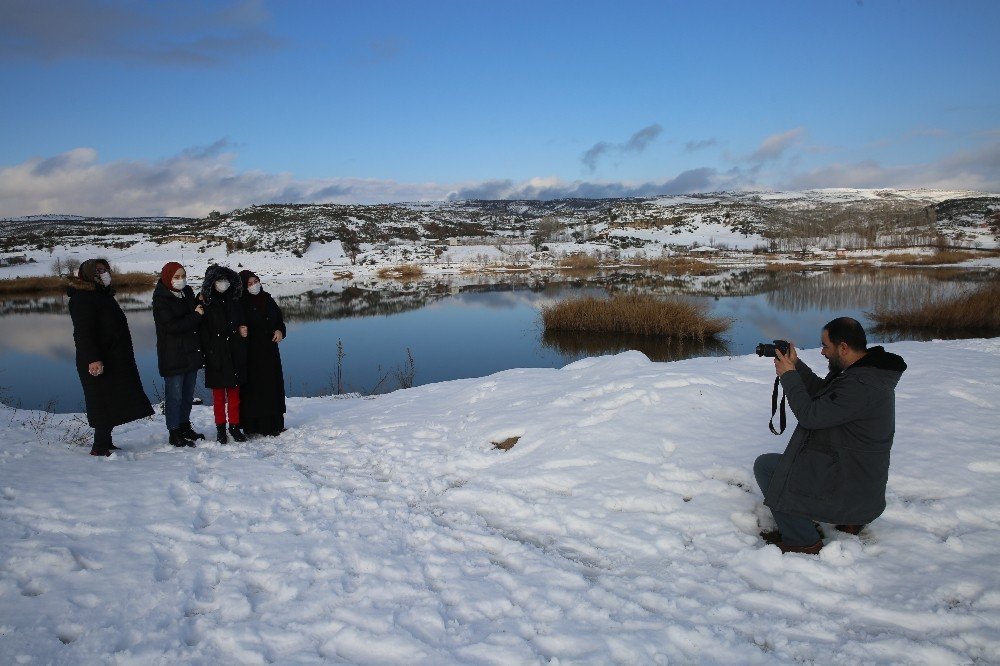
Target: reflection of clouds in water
x=51, y=335
x=48, y=336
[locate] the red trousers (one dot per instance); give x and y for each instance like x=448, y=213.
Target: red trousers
x=221, y=397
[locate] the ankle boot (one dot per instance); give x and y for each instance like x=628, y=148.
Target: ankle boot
x=178, y=440
x=237, y=433
x=189, y=432
x=220, y=433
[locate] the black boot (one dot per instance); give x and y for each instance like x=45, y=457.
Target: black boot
x=177, y=439
x=237, y=433
x=190, y=433
x=220, y=433
x=102, y=442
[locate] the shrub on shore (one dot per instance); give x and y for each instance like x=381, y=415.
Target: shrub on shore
x=978, y=310
x=401, y=272
x=940, y=257
x=579, y=262
x=676, y=265
x=52, y=283
x=639, y=314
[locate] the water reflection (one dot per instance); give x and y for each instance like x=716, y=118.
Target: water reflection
x=578, y=345
x=468, y=326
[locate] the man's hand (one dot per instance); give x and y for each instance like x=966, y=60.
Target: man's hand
x=277, y=336
x=96, y=368
x=783, y=363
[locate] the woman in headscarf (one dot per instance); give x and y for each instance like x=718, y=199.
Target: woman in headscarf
x=262, y=398
x=105, y=358
x=223, y=334
x=177, y=314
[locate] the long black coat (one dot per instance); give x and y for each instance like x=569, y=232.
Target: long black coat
x=178, y=347
x=264, y=392
x=836, y=464
x=224, y=348
x=100, y=332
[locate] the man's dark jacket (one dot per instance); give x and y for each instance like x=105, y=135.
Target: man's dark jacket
x=836, y=465
x=178, y=347
x=100, y=333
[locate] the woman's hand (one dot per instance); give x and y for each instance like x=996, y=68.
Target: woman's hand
x=200, y=309
x=96, y=368
x=277, y=337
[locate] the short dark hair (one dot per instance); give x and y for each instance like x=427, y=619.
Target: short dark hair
x=849, y=331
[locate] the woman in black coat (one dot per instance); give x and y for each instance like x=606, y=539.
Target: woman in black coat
x=223, y=343
x=262, y=398
x=177, y=314
x=105, y=359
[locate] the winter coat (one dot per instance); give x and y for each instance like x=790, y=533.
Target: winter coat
x=178, y=347
x=225, y=350
x=264, y=391
x=100, y=333
x=836, y=465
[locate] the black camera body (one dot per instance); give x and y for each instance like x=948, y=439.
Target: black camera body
x=765, y=349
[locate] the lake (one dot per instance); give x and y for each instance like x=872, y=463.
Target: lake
x=468, y=326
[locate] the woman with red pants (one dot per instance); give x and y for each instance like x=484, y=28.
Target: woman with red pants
x=223, y=342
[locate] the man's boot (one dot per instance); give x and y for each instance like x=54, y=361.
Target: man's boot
x=220, y=433
x=237, y=432
x=189, y=433
x=178, y=440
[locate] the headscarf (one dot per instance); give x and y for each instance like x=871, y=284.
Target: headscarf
x=245, y=276
x=88, y=269
x=167, y=274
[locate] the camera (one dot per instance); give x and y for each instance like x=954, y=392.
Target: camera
x=766, y=349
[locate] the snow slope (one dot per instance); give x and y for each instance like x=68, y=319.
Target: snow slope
x=621, y=528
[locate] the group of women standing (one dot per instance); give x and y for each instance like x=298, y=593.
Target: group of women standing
x=231, y=328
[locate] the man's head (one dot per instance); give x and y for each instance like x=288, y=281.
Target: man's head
x=844, y=342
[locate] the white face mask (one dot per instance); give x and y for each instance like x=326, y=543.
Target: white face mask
x=221, y=286
x=106, y=279
x=179, y=283
x=254, y=289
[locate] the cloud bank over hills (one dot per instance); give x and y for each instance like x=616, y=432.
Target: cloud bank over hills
x=198, y=180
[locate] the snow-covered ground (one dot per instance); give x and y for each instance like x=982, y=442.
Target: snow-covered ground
x=621, y=528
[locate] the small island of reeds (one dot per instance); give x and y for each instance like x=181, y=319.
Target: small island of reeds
x=976, y=311
x=637, y=314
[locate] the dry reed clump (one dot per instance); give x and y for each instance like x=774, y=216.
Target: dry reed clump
x=579, y=262
x=638, y=314
x=675, y=265
x=978, y=310
x=941, y=257
x=53, y=283
x=401, y=272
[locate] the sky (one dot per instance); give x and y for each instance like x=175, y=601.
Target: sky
x=130, y=108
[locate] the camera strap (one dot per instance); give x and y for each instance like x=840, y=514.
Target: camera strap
x=774, y=408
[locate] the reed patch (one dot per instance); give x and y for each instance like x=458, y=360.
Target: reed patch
x=401, y=272
x=47, y=284
x=637, y=314
x=973, y=311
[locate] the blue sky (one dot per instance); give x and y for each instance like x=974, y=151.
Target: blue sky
x=182, y=107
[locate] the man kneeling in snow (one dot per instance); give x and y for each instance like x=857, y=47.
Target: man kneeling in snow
x=835, y=467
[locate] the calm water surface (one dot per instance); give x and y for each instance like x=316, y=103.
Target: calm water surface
x=463, y=328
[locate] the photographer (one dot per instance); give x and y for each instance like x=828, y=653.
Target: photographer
x=835, y=467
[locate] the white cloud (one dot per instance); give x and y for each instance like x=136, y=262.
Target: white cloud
x=775, y=145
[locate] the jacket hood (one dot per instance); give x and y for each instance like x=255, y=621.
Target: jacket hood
x=214, y=273
x=880, y=365
x=75, y=284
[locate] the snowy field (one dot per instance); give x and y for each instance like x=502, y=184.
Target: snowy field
x=622, y=528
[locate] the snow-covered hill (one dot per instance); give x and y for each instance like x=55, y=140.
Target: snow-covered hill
x=739, y=220
x=622, y=527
